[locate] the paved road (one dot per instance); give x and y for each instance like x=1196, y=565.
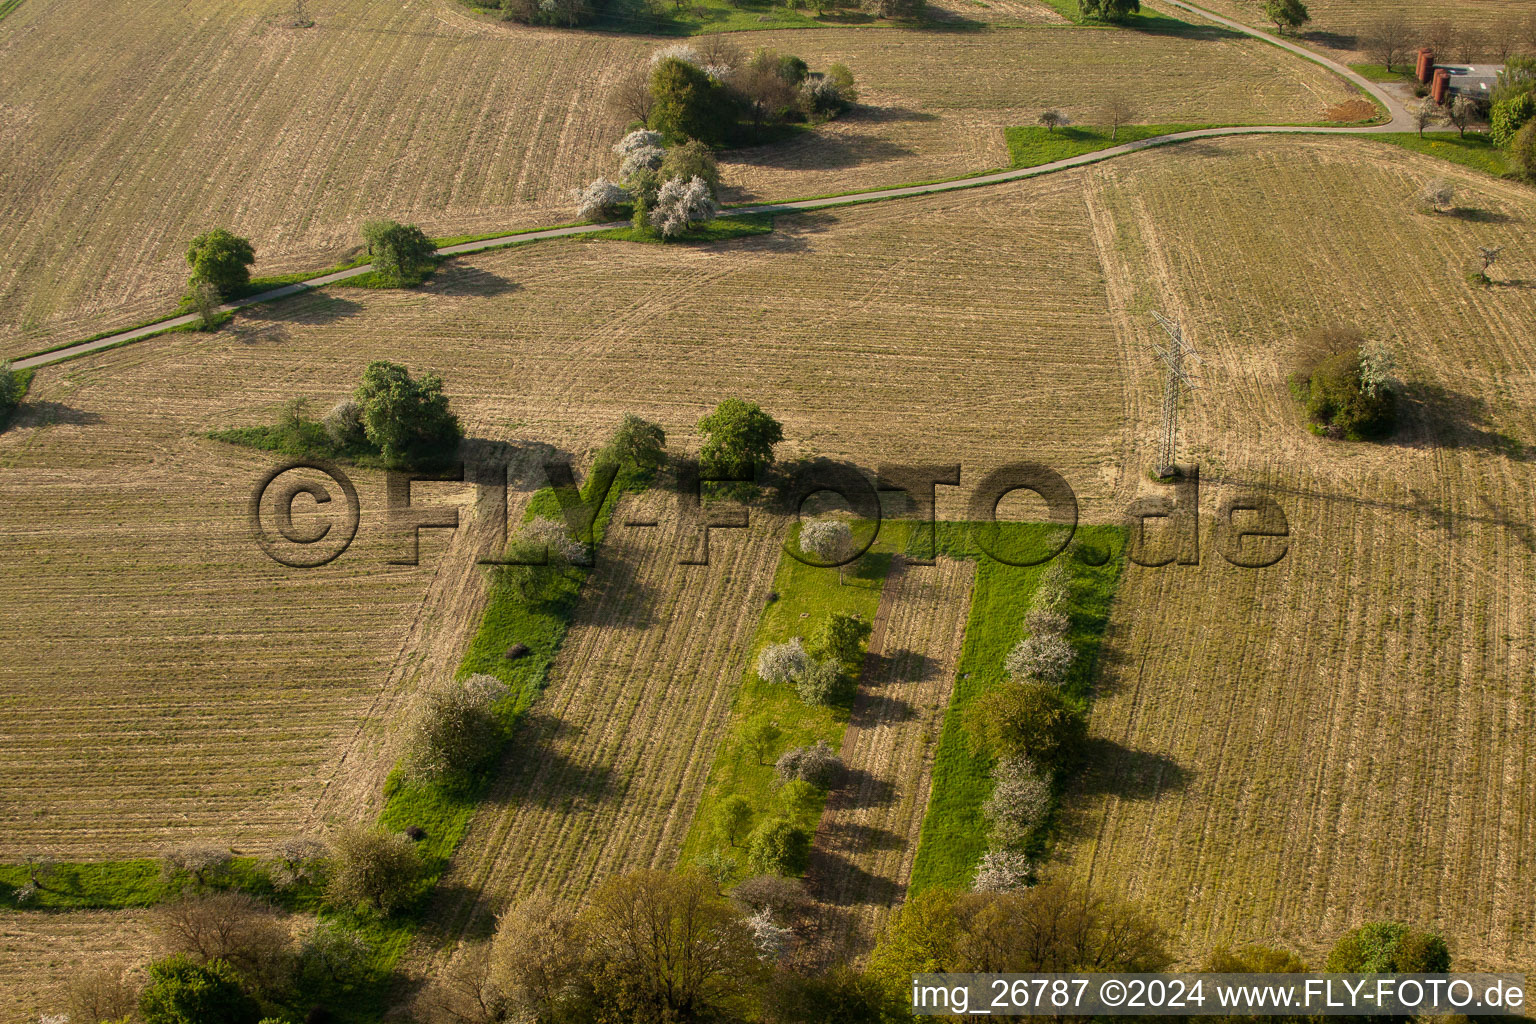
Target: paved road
x=1401, y=121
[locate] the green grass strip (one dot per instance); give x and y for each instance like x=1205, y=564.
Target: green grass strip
x=1476, y=149
x=1033, y=145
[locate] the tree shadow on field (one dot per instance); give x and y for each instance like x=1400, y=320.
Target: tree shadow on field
x=1475, y=215
x=522, y=461
x=1332, y=40
x=856, y=836
x=462, y=280
x=537, y=773
x=906, y=663
x=615, y=594
x=858, y=788
x=1110, y=769
x=825, y=151
x=842, y=883
x=874, y=707
x=309, y=309
x=1432, y=415
x=47, y=414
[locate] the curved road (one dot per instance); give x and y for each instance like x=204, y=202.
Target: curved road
x=1401, y=121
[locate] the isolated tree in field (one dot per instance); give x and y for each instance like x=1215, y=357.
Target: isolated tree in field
x=816, y=763
x=829, y=540
x=733, y=819
x=600, y=200
x=682, y=204
x=1033, y=720
x=183, y=991
x=637, y=442
x=841, y=639
x=401, y=254
x=1461, y=113
x=1489, y=255
x=1003, y=871
x=1286, y=14
x=1389, y=948
x=1425, y=113
x=1020, y=800
x=455, y=730
x=1331, y=382
x=1119, y=109
x=1436, y=194
x=667, y=947
x=1044, y=658
x=1108, y=10
x=739, y=439
x=761, y=738
x=407, y=420
x=1387, y=40
x=785, y=663
x=1053, y=119
x=688, y=104
x=222, y=259
x=373, y=867
x=779, y=847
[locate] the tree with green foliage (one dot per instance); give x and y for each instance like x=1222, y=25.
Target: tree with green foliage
x=843, y=995
x=1345, y=384
x=11, y=391
x=401, y=254
x=824, y=683
x=738, y=439
x=222, y=259
x=374, y=868
x=1389, y=948
x=1522, y=150
x=1509, y=116
x=455, y=730
x=407, y=420
x=761, y=737
x=638, y=443
x=183, y=991
x=205, y=299
x=1028, y=719
x=1053, y=119
x=1254, y=959
x=1286, y=14
x=733, y=819
x=691, y=159
x=841, y=639
x=1112, y=11
x=688, y=104
x=779, y=846
x=1517, y=76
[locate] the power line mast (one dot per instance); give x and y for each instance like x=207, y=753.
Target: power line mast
x=1173, y=362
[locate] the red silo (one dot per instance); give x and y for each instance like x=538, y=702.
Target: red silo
x=1426, y=65
x=1442, y=87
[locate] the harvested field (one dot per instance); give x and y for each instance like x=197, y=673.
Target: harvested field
x=422, y=112
x=1286, y=753
x=40, y=954
x=867, y=838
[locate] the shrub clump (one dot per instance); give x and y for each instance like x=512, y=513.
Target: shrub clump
x=456, y=730
x=1346, y=385
x=1020, y=801
x=1044, y=658
x=816, y=763
x=779, y=847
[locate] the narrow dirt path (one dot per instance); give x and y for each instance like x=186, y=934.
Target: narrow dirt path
x=868, y=833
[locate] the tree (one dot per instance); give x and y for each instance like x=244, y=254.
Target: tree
x=600, y=200
x=374, y=867
x=1119, y=109
x=1020, y=801
x=782, y=897
x=689, y=160
x=738, y=439
x=1028, y=720
x=1508, y=116
x=1522, y=151
x=1286, y=14
x=536, y=955
x=11, y=392
x=666, y=947
x=333, y=958
x=841, y=639
x=761, y=737
x=784, y=663
x=1461, y=113
x=1053, y=119
x=1002, y=870
x=832, y=93
x=407, y=420
x=842, y=995
x=1426, y=113
x=778, y=846
x=1436, y=194
x=1331, y=383
x=1389, y=948
x=1042, y=658
x=232, y=927
x=402, y=254
x=632, y=100
x=205, y=299
x=1387, y=40
x=1108, y=10
x=455, y=730
x=830, y=541
x=1047, y=622
x=222, y=259
x=908, y=9
x=681, y=204
x=733, y=819
x=344, y=424
x=637, y=442
x=815, y=763
x=203, y=863
x=1518, y=75
x=763, y=91
x=1254, y=959
x=688, y=104
x=183, y=991
x=823, y=684
x=101, y=996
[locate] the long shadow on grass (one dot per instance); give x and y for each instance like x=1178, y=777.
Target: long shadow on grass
x=1110, y=769
x=47, y=414
x=315, y=308
x=858, y=788
x=459, y=279
x=1447, y=418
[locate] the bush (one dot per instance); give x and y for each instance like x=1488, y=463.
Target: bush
x=11, y=390
x=1509, y=116
x=1047, y=621
x=402, y=254
x=739, y=439
x=373, y=867
x=1003, y=871
x=689, y=160
x=781, y=897
x=1028, y=720
x=407, y=420
x=688, y=104
x=824, y=684
x=785, y=663
x=831, y=93
x=1389, y=948
x=344, y=424
x=1042, y=657
x=1108, y=10
x=183, y=991
x=600, y=200
x=1020, y=801
x=816, y=763
x=455, y=731
x=841, y=639
x=637, y=442
x=1522, y=150
x=680, y=205
x=777, y=846
x=232, y=927
x=1345, y=385
x=222, y=259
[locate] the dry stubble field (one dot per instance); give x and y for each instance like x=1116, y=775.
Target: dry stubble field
x=1340, y=23
x=127, y=129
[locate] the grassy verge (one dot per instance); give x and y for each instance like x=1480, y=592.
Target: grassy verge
x=1379, y=73
x=1141, y=21
x=718, y=230
x=304, y=440
x=807, y=597
x=1031, y=145
x=1476, y=149
x=953, y=836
